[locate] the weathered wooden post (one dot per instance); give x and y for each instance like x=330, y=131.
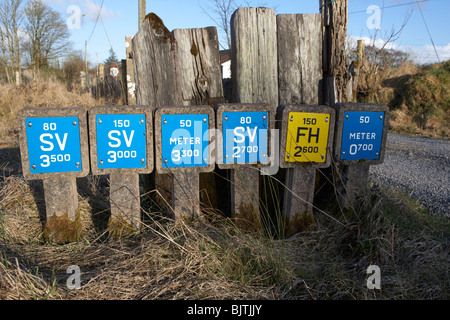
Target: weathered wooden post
x=360, y=141
x=335, y=61
x=307, y=129
x=306, y=143
x=178, y=68
x=243, y=139
x=83, y=80
x=101, y=71
x=130, y=84
x=255, y=80
x=121, y=140
x=185, y=147
x=351, y=175
x=54, y=148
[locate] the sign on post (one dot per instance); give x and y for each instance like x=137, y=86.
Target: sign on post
x=121, y=139
x=54, y=148
x=361, y=132
x=184, y=144
x=360, y=141
x=306, y=144
x=243, y=135
x=53, y=144
x=185, y=140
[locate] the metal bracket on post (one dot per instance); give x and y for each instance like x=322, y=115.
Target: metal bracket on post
x=185, y=147
x=121, y=140
x=54, y=148
x=305, y=145
x=360, y=141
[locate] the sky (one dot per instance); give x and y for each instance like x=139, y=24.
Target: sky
x=426, y=35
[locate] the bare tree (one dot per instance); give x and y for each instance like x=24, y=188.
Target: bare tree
x=47, y=34
x=11, y=19
x=220, y=11
x=380, y=61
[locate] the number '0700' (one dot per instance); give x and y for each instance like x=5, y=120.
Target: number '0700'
x=354, y=148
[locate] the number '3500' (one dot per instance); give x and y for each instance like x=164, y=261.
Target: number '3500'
x=47, y=160
x=46, y=139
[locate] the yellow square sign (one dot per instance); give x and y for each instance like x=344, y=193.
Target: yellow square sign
x=307, y=137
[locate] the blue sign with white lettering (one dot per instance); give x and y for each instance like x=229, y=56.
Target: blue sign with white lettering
x=53, y=144
x=245, y=137
x=362, y=135
x=185, y=140
x=121, y=141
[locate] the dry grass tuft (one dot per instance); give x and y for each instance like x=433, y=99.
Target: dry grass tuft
x=40, y=92
x=213, y=259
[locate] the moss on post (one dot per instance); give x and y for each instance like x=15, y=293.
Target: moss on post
x=299, y=222
x=119, y=227
x=61, y=229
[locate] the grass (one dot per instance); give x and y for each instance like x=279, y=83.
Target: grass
x=418, y=98
x=212, y=258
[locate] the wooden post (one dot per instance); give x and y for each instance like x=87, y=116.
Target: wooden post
x=255, y=80
x=355, y=72
x=300, y=82
x=185, y=195
x=57, y=164
x=130, y=84
x=335, y=65
x=360, y=141
x=125, y=204
x=61, y=205
x=154, y=72
x=299, y=58
x=101, y=71
x=184, y=149
x=179, y=68
x=243, y=147
x=142, y=11
x=83, y=80
x=337, y=79
x=121, y=145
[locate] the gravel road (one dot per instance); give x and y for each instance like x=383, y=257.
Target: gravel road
x=419, y=166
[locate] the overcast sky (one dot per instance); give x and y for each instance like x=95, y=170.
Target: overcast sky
x=367, y=18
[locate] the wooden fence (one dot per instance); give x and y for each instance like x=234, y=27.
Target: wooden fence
x=279, y=72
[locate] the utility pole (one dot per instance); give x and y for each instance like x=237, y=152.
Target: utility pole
x=85, y=57
x=142, y=11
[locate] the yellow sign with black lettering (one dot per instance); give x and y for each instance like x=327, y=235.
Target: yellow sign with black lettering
x=307, y=137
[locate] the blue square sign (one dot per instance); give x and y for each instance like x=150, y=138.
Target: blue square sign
x=121, y=141
x=53, y=144
x=362, y=135
x=245, y=137
x=184, y=140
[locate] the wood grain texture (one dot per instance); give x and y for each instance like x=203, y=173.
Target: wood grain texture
x=198, y=66
x=179, y=68
x=255, y=80
x=299, y=58
x=335, y=64
x=254, y=56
